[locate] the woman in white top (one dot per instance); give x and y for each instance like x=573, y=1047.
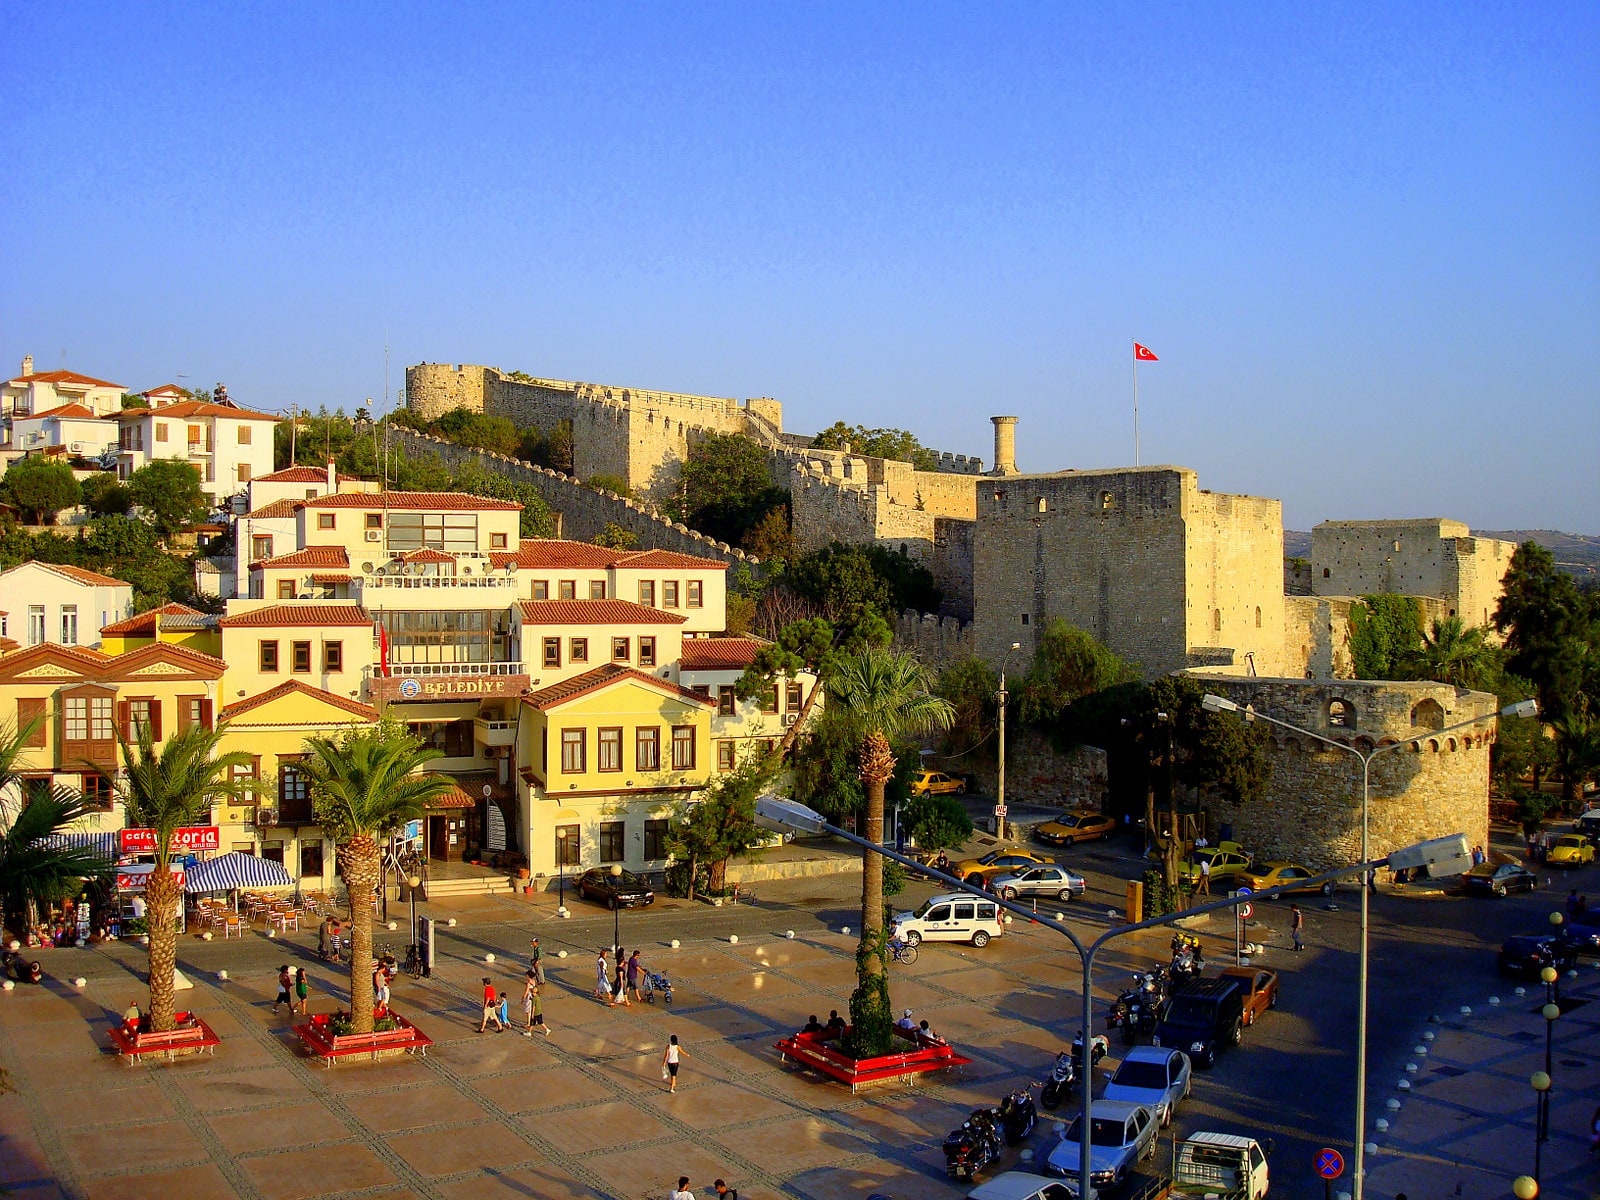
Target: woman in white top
x=670, y=1057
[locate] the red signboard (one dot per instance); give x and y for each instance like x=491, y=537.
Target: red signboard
x=134, y=877
x=186, y=840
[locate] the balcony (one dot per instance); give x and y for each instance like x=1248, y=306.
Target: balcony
x=498, y=583
x=494, y=733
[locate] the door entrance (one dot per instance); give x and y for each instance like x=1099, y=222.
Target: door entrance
x=439, y=838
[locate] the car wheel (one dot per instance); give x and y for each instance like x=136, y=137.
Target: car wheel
x=1327, y=888
x=1499, y=889
x=1009, y=893
x=961, y=789
x=980, y=939
x=913, y=938
x=1064, y=895
x=1236, y=1034
x=974, y=879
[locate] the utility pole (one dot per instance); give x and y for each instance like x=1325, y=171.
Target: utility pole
x=1000, y=773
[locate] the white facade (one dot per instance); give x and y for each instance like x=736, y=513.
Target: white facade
x=73, y=427
x=228, y=446
x=36, y=392
x=62, y=605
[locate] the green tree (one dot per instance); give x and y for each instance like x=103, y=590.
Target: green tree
x=937, y=822
x=897, y=444
x=168, y=492
x=1452, y=653
x=1068, y=665
x=467, y=428
x=972, y=687
x=535, y=520
x=726, y=487
x=364, y=787
x=847, y=581
x=770, y=539
x=615, y=537
x=1577, y=752
x=41, y=487
x=104, y=495
x=1384, y=629
x=33, y=869
x=720, y=824
x=1552, y=630
x=809, y=646
x=165, y=789
x=1521, y=748
x=130, y=401
x=879, y=695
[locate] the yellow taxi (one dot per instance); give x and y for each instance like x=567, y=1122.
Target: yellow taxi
x=1570, y=850
x=996, y=862
x=1079, y=825
x=1278, y=874
x=936, y=783
x=1228, y=861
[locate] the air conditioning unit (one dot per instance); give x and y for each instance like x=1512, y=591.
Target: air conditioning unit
x=76, y=447
x=266, y=816
x=374, y=535
x=790, y=718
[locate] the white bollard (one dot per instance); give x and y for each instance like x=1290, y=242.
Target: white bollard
x=80, y=982
x=451, y=922
x=789, y=933
x=1428, y=1035
x=206, y=936
x=733, y=939
x=271, y=933
x=1411, y=1068
x=673, y=943
x=845, y=931
x=1522, y=991
x=1381, y=1124
x=222, y=976
x=488, y=958
x=1372, y=1148
x=7, y=986
x=563, y=913
x=1392, y=1104
x=393, y=925
x=1404, y=1085
x=1420, y=1051
x=1466, y=1010
x=561, y=953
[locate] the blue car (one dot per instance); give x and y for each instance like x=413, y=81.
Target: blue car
x=1121, y=1135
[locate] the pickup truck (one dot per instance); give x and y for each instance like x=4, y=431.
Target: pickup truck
x=1209, y=1166
x=1258, y=989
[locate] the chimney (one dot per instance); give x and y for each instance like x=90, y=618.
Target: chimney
x=333, y=479
x=1005, y=446
x=27, y=364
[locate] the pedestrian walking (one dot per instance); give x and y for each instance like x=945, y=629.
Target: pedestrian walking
x=620, y=995
x=380, y=987
x=635, y=972
x=671, y=1057
x=532, y=1007
x=536, y=962
x=681, y=1192
x=491, y=1008
x=301, y=989
x=602, y=977
x=1204, y=889
x=1297, y=923
x=285, y=982
x=724, y=1192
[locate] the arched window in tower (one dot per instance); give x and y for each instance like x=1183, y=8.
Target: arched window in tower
x=1427, y=714
x=1341, y=715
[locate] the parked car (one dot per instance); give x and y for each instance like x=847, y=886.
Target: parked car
x=1020, y=1185
x=1277, y=874
x=1570, y=850
x=1497, y=879
x=1120, y=1136
x=1258, y=990
x=1588, y=823
x=1079, y=825
x=996, y=862
x=1228, y=861
x=936, y=783
x=952, y=917
x=615, y=891
x=1525, y=956
x=1053, y=881
x=1202, y=1017
x=1154, y=1077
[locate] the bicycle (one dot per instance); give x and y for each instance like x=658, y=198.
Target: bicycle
x=413, y=965
x=903, y=951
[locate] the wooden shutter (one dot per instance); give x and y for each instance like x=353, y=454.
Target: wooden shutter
x=155, y=719
x=122, y=721
x=33, y=710
x=205, y=713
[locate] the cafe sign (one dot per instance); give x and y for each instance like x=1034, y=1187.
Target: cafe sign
x=187, y=839
x=135, y=876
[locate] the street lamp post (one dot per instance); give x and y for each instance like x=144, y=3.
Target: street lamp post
x=413, y=882
x=1213, y=703
x=1000, y=771
x=787, y=816
x=616, y=910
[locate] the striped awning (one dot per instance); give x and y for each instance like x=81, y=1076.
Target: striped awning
x=107, y=844
x=229, y=871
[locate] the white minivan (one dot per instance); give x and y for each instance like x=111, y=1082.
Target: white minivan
x=952, y=917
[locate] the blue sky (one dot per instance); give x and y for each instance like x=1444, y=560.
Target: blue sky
x=1365, y=244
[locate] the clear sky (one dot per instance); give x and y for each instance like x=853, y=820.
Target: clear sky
x=1364, y=239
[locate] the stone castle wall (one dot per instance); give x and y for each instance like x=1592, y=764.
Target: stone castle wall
x=1426, y=557
x=584, y=512
x=938, y=642
x=1234, y=576
x=1316, y=634
x=1430, y=787
x=1036, y=772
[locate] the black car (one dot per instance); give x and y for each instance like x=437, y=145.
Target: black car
x=626, y=890
x=1526, y=956
x=1202, y=1017
x=1491, y=879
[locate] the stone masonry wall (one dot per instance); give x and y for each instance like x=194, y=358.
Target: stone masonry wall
x=1316, y=637
x=584, y=511
x=939, y=642
x=1427, y=557
x=1430, y=787
x=1036, y=772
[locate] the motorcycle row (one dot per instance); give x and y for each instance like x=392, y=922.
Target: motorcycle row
x=1136, y=1011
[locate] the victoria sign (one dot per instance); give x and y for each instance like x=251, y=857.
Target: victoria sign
x=198, y=837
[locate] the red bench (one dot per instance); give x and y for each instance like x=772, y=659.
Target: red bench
x=330, y=1047
x=192, y=1037
x=812, y=1050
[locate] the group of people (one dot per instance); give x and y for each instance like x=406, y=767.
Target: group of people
x=613, y=985
x=1577, y=907
x=913, y=1028
x=834, y=1028
x=330, y=939
x=719, y=1189
x=293, y=988
x=497, y=1004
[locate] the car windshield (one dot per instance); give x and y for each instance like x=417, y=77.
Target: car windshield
x=1141, y=1075
x=1102, y=1132
x=629, y=879
x=1569, y=840
x=923, y=911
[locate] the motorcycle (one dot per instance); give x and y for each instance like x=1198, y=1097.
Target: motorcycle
x=1099, y=1046
x=1018, y=1116
x=1063, y=1077
x=972, y=1147
x=1188, y=960
x=1138, y=1009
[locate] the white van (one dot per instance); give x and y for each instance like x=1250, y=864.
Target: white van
x=952, y=917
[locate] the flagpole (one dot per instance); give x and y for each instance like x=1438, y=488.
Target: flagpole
x=1136, y=404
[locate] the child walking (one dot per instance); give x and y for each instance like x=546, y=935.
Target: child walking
x=491, y=1008
x=670, y=1058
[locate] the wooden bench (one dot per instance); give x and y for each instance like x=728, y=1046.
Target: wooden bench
x=331, y=1047
x=812, y=1050
x=193, y=1038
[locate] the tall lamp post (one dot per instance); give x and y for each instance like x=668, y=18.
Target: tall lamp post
x=1000, y=770
x=413, y=882
x=787, y=816
x=616, y=910
x=1217, y=704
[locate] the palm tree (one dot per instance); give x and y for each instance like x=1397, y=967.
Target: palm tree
x=880, y=695
x=1577, y=751
x=32, y=869
x=1455, y=654
x=164, y=790
x=363, y=787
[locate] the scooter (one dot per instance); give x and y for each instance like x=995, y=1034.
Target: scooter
x=1188, y=961
x=1137, y=1011
x=1018, y=1116
x=1098, y=1048
x=972, y=1147
x=1063, y=1077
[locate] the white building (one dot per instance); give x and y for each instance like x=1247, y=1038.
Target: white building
x=712, y=667
x=62, y=605
x=36, y=392
x=228, y=446
x=75, y=428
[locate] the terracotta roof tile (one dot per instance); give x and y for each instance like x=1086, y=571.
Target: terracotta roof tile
x=299, y=616
x=456, y=797
x=298, y=474
x=278, y=508
x=121, y=664
x=198, y=408
x=670, y=559
x=144, y=624
x=579, y=685
x=78, y=411
x=718, y=654
x=427, y=555
x=311, y=556
x=62, y=377
x=455, y=501
x=76, y=574
x=295, y=686
x=594, y=612
x=537, y=553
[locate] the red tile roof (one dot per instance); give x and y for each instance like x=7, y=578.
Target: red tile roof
x=197, y=408
x=311, y=556
x=298, y=474
x=167, y=389
x=594, y=612
x=144, y=624
x=293, y=687
x=299, y=616
x=456, y=797
x=580, y=685
x=76, y=574
x=427, y=555
x=330, y=577
x=123, y=665
x=550, y=553
x=73, y=411
x=671, y=560
x=61, y=377
x=455, y=501
x=718, y=654
x=278, y=508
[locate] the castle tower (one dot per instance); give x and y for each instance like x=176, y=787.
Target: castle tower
x=1005, y=446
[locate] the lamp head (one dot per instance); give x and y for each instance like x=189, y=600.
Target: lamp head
x=413, y=881
x=1550, y=1012
x=1016, y=645
x=781, y=815
x=1540, y=1081
x=1524, y=1187
x=616, y=870
x=1522, y=708
x=1549, y=975
x=1217, y=703
x=1556, y=918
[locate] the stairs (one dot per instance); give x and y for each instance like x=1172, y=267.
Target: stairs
x=487, y=884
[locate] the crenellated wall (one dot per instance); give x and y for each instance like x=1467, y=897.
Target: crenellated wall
x=939, y=642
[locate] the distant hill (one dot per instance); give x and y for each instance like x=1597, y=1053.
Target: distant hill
x=1577, y=553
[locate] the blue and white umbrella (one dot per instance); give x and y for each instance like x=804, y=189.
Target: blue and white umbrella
x=229, y=871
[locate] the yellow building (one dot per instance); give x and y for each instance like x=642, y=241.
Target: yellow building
x=328, y=647
x=605, y=757
x=171, y=624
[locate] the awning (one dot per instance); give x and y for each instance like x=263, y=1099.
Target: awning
x=229, y=871
x=107, y=844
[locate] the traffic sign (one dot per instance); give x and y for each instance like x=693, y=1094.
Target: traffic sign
x=999, y=810
x=1243, y=892
x=1244, y=912
x=1330, y=1163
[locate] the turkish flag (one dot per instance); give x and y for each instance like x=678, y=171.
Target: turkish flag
x=1142, y=353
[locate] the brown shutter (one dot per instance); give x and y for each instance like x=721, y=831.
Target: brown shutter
x=205, y=713
x=29, y=710
x=155, y=719
x=122, y=721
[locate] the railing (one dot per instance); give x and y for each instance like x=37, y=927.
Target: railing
x=434, y=581
x=422, y=670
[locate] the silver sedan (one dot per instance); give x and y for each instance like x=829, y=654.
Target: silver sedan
x=1050, y=880
x=1154, y=1077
